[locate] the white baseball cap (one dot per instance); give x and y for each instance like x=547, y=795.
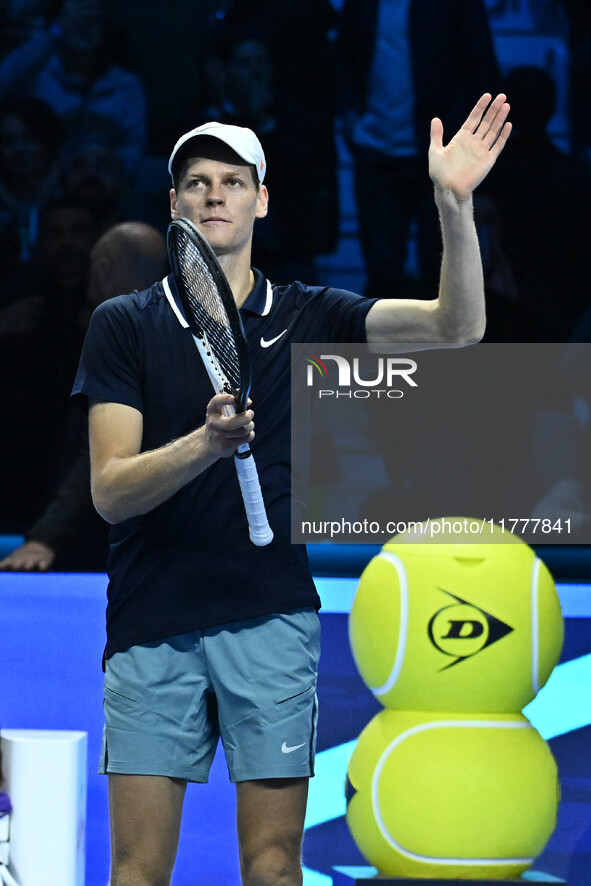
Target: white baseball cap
x=243, y=142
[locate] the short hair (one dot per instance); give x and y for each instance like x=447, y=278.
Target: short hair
x=138, y=253
x=208, y=146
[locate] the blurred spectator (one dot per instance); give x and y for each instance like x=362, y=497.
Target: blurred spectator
x=20, y=19
x=93, y=173
x=30, y=138
x=258, y=80
x=404, y=62
x=131, y=255
x=68, y=65
x=49, y=290
x=542, y=200
x=40, y=343
x=70, y=535
x=68, y=229
x=579, y=43
x=163, y=45
x=244, y=87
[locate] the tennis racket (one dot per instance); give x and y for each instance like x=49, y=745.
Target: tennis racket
x=215, y=323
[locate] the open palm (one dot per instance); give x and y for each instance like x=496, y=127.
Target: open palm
x=462, y=164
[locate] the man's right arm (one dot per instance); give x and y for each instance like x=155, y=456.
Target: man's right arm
x=127, y=482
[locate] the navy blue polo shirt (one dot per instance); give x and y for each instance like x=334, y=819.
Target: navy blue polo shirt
x=189, y=563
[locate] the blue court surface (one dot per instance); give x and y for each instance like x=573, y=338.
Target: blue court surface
x=52, y=634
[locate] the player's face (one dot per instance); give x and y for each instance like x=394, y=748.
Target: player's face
x=222, y=200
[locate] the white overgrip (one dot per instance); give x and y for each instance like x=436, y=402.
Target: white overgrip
x=258, y=524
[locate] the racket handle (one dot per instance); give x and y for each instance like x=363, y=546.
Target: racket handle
x=258, y=525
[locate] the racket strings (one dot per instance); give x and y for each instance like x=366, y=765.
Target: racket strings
x=208, y=311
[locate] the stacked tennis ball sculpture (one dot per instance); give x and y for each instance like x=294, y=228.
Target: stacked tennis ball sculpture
x=454, y=639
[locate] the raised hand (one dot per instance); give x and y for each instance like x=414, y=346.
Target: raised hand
x=462, y=164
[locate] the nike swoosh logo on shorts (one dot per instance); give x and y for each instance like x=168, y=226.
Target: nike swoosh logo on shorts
x=267, y=344
x=287, y=750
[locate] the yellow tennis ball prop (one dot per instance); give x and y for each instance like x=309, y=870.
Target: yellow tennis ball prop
x=456, y=626
x=451, y=795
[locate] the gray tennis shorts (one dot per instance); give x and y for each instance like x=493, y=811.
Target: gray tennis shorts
x=251, y=682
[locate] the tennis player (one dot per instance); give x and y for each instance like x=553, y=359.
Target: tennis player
x=208, y=635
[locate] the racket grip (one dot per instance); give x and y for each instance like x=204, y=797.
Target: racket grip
x=258, y=525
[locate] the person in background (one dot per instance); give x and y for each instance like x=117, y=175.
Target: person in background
x=67, y=64
x=70, y=535
x=93, y=172
x=31, y=136
x=38, y=358
x=402, y=62
x=541, y=198
x=257, y=79
x=579, y=81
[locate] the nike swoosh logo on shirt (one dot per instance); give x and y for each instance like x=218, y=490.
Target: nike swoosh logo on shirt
x=267, y=344
x=287, y=750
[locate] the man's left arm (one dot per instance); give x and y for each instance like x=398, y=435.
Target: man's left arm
x=457, y=316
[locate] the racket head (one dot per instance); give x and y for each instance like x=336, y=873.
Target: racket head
x=209, y=305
